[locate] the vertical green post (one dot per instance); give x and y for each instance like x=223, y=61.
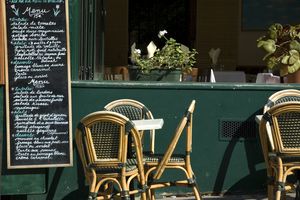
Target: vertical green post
x=74, y=18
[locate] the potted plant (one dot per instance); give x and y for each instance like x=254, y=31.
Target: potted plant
x=282, y=45
x=160, y=64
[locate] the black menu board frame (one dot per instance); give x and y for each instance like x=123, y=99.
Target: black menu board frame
x=2, y=51
x=38, y=86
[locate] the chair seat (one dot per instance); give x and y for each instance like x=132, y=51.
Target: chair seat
x=156, y=158
x=287, y=158
x=130, y=166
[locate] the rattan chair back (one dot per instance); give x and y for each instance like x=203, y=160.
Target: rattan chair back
x=134, y=110
x=186, y=122
x=282, y=96
x=284, y=120
x=102, y=140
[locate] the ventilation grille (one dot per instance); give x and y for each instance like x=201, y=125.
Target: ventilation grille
x=237, y=129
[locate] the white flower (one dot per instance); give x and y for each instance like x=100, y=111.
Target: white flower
x=151, y=48
x=13, y=6
x=57, y=6
x=162, y=33
x=138, y=51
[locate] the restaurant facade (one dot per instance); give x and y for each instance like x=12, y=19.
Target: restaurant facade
x=226, y=154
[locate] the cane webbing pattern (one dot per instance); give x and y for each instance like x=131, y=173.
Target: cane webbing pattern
x=289, y=127
x=287, y=99
x=175, y=158
x=130, y=165
x=282, y=97
x=106, y=139
x=132, y=112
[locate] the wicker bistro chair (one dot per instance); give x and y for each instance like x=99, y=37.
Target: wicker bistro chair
x=284, y=158
x=157, y=163
x=280, y=97
x=102, y=139
x=134, y=110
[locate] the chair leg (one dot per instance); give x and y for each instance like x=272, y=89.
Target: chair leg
x=271, y=182
x=279, y=180
x=280, y=190
x=143, y=196
x=297, y=191
x=124, y=189
x=148, y=194
x=92, y=187
x=92, y=196
x=196, y=192
x=192, y=182
x=131, y=187
x=92, y=193
x=278, y=194
x=270, y=192
x=152, y=195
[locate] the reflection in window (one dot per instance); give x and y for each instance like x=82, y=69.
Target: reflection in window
x=91, y=39
x=147, y=18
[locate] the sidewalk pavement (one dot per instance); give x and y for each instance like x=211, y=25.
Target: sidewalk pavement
x=290, y=196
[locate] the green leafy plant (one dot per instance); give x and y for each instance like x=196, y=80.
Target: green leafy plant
x=173, y=55
x=282, y=44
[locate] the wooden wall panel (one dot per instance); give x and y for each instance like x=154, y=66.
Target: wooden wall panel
x=218, y=27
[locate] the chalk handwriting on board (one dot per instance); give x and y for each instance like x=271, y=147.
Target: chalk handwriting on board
x=56, y=11
x=36, y=1
x=15, y=10
x=35, y=13
x=38, y=83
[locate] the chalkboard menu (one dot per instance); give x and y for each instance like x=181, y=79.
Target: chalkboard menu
x=38, y=84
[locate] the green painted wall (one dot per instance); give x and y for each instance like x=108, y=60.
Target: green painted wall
x=234, y=165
